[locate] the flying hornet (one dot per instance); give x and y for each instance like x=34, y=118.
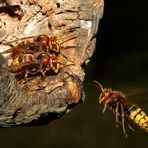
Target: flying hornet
x=118, y=103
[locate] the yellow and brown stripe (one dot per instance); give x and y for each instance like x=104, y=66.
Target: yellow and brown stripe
x=139, y=117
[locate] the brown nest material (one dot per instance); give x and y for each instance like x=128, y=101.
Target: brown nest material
x=36, y=97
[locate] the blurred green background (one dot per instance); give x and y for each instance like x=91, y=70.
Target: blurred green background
x=120, y=62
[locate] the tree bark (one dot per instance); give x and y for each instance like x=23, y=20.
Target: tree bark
x=37, y=99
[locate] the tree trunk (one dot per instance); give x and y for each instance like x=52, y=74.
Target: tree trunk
x=74, y=23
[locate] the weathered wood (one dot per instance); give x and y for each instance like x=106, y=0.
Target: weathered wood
x=24, y=102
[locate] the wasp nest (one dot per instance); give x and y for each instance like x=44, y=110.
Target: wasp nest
x=44, y=47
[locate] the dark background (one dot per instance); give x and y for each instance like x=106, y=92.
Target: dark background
x=122, y=45
x=120, y=62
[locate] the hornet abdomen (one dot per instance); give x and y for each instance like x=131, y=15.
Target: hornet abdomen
x=139, y=117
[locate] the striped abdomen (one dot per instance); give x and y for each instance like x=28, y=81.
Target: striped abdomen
x=139, y=117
